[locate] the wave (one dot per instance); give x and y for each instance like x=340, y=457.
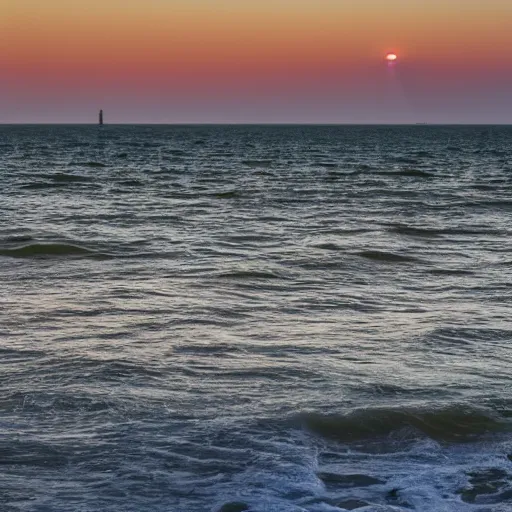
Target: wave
x=234, y=506
x=386, y=257
x=32, y=453
x=18, y=238
x=426, y=232
x=450, y=424
x=413, y=173
x=257, y=163
x=222, y=154
x=47, y=249
x=40, y=185
x=94, y=164
x=68, y=178
x=178, y=152
x=249, y=274
x=352, y=480
x=405, y=160
x=327, y=165
x=492, y=483
x=328, y=246
x=403, y=229
x=57, y=181
x=88, y=164
x=466, y=231
x=131, y=183
x=226, y=195
x=424, y=154
x=451, y=272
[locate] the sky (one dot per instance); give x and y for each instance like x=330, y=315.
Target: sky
x=255, y=61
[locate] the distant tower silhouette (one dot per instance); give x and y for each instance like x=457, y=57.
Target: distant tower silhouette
x=101, y=117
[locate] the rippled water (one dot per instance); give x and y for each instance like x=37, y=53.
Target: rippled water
x=292, y=319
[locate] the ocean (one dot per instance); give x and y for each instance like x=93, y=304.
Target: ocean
x=255, y=318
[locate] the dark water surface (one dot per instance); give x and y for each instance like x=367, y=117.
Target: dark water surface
x=288, y=319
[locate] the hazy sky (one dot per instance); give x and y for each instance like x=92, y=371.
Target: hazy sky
x=172, y=61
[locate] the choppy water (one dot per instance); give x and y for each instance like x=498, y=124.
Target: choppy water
x=268, y=319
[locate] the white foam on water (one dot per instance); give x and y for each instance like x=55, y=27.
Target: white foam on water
x=427, y=477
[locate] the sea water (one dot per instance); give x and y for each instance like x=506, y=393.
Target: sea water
x=260, y=318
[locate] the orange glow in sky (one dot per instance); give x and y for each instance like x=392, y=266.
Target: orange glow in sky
x=256, y=60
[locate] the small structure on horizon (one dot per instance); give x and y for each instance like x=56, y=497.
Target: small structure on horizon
x=101, y=118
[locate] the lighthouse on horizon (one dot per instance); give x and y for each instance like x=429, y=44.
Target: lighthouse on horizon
x=101, y=118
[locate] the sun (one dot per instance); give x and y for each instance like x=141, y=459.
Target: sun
x=391, y=57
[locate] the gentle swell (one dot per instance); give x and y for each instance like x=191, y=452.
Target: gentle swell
x=249, y=274
x=451, y=424
x=402, y=229
x=68, y=178
x=88, y=164
x=38, y=249
x=386, y=256
x=413, y=173
x=257, y=163
x=226, y=195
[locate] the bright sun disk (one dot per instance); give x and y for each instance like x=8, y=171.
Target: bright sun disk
x=391, y=57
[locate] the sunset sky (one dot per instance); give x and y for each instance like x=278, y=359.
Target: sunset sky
x=221, y=61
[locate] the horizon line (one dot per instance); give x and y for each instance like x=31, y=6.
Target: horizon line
x=255, y=124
